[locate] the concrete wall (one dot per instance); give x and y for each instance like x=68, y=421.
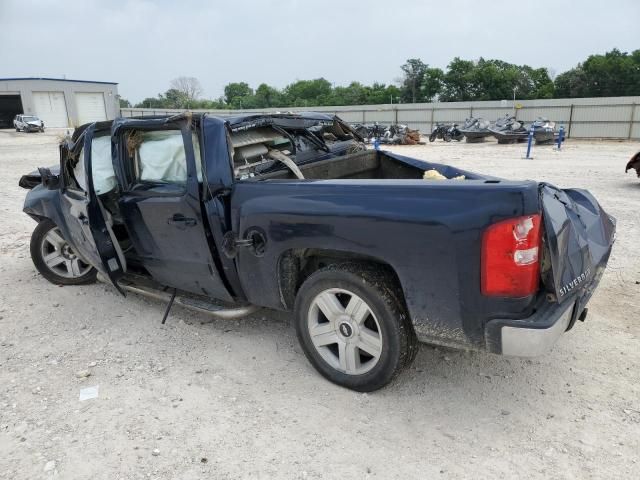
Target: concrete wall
x=68, y=88
x=606, y=117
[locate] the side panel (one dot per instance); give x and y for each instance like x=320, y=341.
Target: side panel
x=429, y=234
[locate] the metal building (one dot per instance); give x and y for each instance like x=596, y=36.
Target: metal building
x=58, y=102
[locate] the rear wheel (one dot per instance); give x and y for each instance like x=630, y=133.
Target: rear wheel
x=56, y=260
x=352, y=326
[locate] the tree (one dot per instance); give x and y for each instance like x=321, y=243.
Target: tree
x=124, y=103
x=613, y=74
x=458, y=81
x=235, y=92
x=414, y=71
x=307, y=93
x=432, y=84
x=189, y=87
x=267, y=96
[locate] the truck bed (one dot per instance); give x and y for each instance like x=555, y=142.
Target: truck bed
x=369, y=164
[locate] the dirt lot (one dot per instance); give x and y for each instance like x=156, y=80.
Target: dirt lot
x=237, y=399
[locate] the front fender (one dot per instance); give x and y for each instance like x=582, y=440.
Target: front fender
x=41, y=203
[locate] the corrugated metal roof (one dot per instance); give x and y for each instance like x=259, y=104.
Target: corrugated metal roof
x=57, y=80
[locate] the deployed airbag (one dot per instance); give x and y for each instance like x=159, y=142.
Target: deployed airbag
x=104, y=177
x=161, y=157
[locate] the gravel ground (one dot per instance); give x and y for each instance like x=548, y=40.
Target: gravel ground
x=237, y=399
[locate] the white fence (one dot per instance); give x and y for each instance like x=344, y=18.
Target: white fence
x=607, y=117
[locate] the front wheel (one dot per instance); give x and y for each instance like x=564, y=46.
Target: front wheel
x=447, y=137
x=54, y=258
x=432, y=137
x=353, y=327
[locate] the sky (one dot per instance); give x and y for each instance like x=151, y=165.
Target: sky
x=144, y=44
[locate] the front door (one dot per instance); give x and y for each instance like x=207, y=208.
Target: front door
x=161, y=206
x=87, y=225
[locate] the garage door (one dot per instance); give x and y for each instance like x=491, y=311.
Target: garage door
x=90, y=107
x=51, y=108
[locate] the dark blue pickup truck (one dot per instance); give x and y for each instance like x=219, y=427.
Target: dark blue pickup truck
x=373, y=252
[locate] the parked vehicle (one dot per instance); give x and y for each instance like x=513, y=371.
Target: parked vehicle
x=394, y=134
x=230, y=214
x=28, y=123
x=446, y=132
x=475, y=129
x=544, y=131
x=370, y=131
x=439, y=131
x=453, y=133
x=509, y=130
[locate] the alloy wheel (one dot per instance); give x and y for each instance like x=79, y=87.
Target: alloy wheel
x=344, y=331
x=60, y=258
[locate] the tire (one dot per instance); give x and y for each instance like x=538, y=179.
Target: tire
x=432, y=137
x=447, y=137
x=46, y=242
x=383, y=327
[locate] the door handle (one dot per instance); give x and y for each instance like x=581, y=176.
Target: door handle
x=181, y=221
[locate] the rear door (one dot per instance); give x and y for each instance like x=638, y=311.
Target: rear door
x=579, y=236
x=87, y=223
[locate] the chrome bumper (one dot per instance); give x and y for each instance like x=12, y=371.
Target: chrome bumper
x=532, y=342
x=533, y=336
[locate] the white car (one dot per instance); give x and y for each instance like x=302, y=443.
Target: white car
x=28, y=123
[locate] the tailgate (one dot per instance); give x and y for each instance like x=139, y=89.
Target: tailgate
x=579, y=235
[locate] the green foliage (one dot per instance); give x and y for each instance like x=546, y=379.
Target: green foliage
x=613, y=74
x=414, y=71
x=493, y=80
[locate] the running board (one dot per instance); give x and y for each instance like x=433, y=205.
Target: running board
x=214, y=310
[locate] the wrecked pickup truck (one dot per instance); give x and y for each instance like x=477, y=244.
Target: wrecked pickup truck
x=291, y=212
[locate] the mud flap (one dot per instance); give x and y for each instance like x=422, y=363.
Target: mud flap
x=579, y=235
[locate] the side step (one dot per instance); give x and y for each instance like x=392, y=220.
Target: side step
x=215, y=310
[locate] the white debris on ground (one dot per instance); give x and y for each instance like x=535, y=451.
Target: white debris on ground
x=237, y=399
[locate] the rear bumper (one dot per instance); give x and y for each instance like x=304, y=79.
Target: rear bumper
x=533, y=336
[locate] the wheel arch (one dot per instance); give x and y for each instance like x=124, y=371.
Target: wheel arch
x=297, y=264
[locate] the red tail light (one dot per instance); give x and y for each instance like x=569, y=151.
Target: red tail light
x=510, y=257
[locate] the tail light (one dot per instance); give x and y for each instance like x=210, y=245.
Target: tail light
x=510, y=257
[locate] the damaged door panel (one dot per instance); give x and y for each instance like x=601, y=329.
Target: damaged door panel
x=88, y=224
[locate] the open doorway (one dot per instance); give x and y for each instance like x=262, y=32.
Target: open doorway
x=10, y=106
